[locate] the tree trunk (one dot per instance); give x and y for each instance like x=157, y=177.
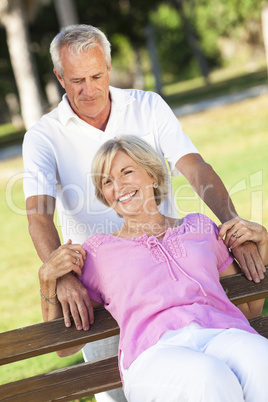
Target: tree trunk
x=153, y=56
x=14, y=21
x=66, y=12
x=192, y=40
x=138, y=81
x=265, y=30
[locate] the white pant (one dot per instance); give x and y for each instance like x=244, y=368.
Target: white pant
x=103, y=348
x=196, y=364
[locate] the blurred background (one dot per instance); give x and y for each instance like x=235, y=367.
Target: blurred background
x=208, y=60
x=155, y=44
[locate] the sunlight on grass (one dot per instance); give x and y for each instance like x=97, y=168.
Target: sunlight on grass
x=7, y=129
x=233, y=139
x=216, y=76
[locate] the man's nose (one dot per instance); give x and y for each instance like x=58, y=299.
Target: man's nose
x=88, y=87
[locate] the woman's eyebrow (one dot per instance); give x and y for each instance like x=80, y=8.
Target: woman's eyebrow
x=127, y=167
x=105, y=176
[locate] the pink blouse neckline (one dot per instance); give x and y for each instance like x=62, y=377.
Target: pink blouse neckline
x=146, y=237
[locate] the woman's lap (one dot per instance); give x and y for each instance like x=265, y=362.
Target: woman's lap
x=196, y=364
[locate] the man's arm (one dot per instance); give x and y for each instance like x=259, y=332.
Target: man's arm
x=40, y=214
x=72, y=295
x=207, y=184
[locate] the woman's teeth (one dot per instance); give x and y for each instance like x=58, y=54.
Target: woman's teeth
x=126, y=197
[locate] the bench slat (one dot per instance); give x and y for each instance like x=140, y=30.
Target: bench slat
x=240, y=290
x=50, y=336
x=79, y=381
x=89, y=378
x=65, y=384
x=260, y=324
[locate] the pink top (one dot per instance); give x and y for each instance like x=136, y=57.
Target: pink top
x=151, y=286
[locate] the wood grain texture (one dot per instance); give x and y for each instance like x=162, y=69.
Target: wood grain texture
x=89, y=378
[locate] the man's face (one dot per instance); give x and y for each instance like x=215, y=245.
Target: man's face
x=85, y=79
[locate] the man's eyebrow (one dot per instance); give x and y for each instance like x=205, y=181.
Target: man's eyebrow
x=76, y=78
x=82, y=78
x=100, y=74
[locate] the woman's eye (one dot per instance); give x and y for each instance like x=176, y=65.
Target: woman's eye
x=106, y=182
x=128, y=171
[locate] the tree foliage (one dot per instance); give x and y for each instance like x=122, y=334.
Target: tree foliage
x=124, y=21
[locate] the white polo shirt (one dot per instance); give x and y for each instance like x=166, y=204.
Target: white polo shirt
x=59, y=149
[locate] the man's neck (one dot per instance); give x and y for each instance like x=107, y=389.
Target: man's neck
x=99, y=121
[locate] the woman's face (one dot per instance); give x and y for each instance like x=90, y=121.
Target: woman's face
x=128, y=188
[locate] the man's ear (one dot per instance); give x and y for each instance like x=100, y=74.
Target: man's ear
x=61, y=81
x=109, y=69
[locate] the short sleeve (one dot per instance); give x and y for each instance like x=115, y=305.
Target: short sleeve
x=40, y=170
x=90, y=277
x=173, y=141
x=223, y=255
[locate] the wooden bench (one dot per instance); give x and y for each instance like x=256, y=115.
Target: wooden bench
x=101, y=375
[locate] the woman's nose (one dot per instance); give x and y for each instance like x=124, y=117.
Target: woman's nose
x=119, y=183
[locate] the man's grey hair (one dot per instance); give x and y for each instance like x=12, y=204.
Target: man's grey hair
x=78, y=38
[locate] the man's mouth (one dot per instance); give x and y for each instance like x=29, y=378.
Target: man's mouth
x=127, y=196
x=89, y=100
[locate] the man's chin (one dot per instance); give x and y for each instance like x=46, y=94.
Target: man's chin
x=88, y=113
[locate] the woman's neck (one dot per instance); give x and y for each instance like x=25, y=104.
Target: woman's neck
x=151, y=226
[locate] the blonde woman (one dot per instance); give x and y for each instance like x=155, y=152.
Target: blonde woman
x=181, y=339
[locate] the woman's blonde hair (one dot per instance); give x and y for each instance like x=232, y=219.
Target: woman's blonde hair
x=138, y=150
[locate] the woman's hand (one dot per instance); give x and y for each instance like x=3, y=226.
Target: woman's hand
x=239, y=233
x=67, y=258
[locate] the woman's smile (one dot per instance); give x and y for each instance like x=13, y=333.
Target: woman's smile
x=128, y=188
x=127, y=197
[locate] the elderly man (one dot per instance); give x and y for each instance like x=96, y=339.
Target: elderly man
x=58, y=151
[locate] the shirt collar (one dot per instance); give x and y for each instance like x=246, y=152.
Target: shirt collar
x=120, y=99
x=65, y=111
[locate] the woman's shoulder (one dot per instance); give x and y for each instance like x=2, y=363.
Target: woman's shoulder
x=200, y=222
x=92, y=243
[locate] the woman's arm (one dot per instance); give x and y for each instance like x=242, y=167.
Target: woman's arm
x=67, y=258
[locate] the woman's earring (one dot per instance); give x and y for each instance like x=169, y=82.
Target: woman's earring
x=155, y=185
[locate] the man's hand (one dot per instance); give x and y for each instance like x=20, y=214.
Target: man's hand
x=249, y=259
x=248, y=241
x=75, y=301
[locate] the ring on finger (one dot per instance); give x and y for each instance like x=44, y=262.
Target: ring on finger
x=235, y=235
x=76, y=260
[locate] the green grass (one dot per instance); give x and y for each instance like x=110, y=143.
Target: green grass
x=232, y=138
x=223, y=82
x=6, y=129
x=19, y=288
x=10, y=135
